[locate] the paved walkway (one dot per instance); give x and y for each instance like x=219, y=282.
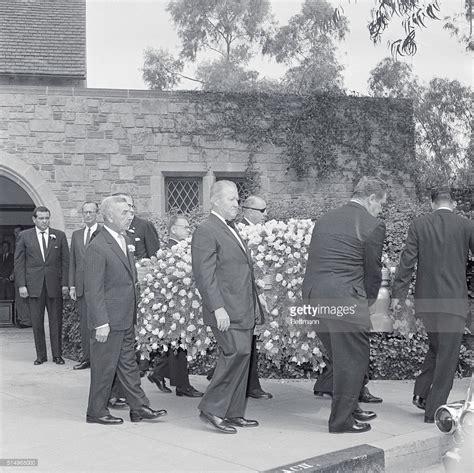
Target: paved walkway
x=43, y=416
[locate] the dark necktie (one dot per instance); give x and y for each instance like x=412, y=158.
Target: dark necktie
x=88, y=236
x=43, y=241
x=231, y=224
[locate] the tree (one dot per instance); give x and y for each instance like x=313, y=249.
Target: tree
x=230, y=28
x=306, y=46
x=442, y=115
x=413, y=14
x=161, y=71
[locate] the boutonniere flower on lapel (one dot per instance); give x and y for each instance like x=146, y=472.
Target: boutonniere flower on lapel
x=131, y=230
x=52, y=236
x=131, y=248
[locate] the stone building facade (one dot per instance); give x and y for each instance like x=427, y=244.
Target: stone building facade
x=65, y=145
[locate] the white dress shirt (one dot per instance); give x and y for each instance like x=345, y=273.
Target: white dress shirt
x=120, y=239
x=230, y=228
x=93, y=229
x=40, y=240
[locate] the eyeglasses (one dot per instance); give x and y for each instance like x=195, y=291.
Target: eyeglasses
x=258, y=210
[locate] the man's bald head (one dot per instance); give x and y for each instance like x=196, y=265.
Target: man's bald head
x=255, y=209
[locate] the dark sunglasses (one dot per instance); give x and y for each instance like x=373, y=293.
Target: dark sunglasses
x=252, y=208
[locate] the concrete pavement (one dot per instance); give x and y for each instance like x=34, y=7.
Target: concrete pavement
x=43, y=417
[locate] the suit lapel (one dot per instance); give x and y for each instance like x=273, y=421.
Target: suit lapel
x=36, y=244
x=118, y=251
x=226, y=228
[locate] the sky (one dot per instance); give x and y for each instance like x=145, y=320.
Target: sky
x=119, y=30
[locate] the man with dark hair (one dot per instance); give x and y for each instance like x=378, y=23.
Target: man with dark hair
x=41, y=268
x=439, y=245
x=7, y=290
x=79, y=241
x=174, y=365
x=109, y=289
x=344, y=271
x=223, y=271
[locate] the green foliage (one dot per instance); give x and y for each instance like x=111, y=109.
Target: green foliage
x=306, y=46
x=71, y=330
x=231, y=29
x=442, y=112
x=160, y=70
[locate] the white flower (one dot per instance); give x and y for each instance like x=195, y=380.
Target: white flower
x=52, y=236
x=274, y=324
x=191, y=328
x=131, y=248
x=278, y=277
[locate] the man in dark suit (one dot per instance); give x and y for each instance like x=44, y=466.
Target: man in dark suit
x=7, y=290
x=439, y=244
x=144, y=238
x=109, y=288
x=342, y=279
x=142, y=233
x=79, y=241
x=41, y=268
x=174, y=365
x=222, y=267
x=22, y=307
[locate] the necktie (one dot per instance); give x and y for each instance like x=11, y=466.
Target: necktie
x=231, y=224
x=43, y=241
x=88, y=236
x=122, y=244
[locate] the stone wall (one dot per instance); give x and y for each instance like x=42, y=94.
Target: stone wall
x=83, y=144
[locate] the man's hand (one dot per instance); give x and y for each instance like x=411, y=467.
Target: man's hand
x=222, y=318
x=263, y=301
x=23, y=292
x=72, y=293
x=102, y=333
x=65, y=291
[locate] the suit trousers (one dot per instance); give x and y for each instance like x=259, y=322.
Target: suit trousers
x=7, y=290
x=436, y=378
x=115, y=356
x=85, y=332
x=173, y=366
x=54, y=306
x=324, y=383
x=225, y=395
x=347, y=345
x=22, y=308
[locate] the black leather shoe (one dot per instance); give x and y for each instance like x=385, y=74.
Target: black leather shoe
x=117, y=403
x=40, y=361
x=160, y=383
x=82, y=365
x=429, y=421
x=367, y=397
x=363, y=416
x=189, y=392
x=218, y=422
x=356, y=428
x=58, y=360
x=105, y=420
x=419, y=402
x=321, y=394
x=259, y=394
x=146, y=413
x=241, y=422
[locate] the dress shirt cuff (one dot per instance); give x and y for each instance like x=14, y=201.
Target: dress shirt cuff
x=102, y=326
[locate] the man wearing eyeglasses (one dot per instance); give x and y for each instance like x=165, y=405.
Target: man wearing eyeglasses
x=255, y=212
x=79, y=241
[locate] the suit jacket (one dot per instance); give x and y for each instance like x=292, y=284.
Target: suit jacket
x=144, y=236
x=76, y=261
x=31, y=270
x=223, y=273
x=6, y=267
x=439, y=243
x=109, y=284
x=344, y=264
